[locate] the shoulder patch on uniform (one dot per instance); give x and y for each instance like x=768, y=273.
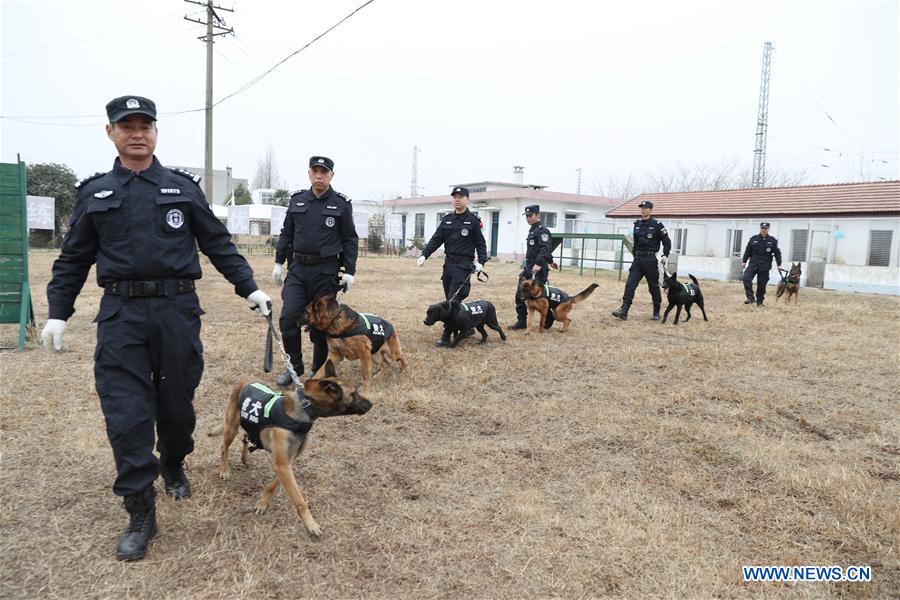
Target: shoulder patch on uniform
x=344, y=196
x=295, y=192
x=188, y=174
x=545, y=237
x=87, y=179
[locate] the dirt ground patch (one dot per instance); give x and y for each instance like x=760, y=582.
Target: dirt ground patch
x=621, y=459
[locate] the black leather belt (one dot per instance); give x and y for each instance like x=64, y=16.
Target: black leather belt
x=644, y=253
x=312, y=259
x=146, y=289
x=458, y=258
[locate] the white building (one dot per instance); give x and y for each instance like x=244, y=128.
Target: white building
x=847, y=236
x=223, y=183
x=500, y=206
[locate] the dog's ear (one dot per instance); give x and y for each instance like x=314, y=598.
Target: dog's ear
x=329, y=369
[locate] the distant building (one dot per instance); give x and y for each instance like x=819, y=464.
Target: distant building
x=223, y=183
x=847, y=236
x=500, y=206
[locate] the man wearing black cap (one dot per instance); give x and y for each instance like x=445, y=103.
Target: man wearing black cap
x=142, y=224
x=760, y=250
x=648, y=233
x=319, y=231
x=538, y=255
x=460, y=233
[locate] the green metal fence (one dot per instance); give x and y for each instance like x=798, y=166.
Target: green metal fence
x=15, y=295
x=618, y=262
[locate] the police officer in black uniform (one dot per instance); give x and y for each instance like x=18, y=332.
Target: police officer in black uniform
x=319, y=232
x=142, y=224
x=760, y=250
x=460, y=233
x=538, y=256
x=648, y=234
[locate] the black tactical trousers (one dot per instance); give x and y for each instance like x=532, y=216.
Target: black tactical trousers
x=761, y=272
x=643, y=266
x=456, y=274
x=302, y=284
x=147, y=364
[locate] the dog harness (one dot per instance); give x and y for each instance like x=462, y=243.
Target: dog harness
x=261, y=408
x=555, y=295
x=688, y=289
x=373, y=327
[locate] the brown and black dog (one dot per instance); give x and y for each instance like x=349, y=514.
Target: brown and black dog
x=790, y=284
x=542, y=299
x=355, y=336
x=280, y=423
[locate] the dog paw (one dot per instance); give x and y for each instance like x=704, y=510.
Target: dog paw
x=315, y=531
x=261, y=508
x=225, y=475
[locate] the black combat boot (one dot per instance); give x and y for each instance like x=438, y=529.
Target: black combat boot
x=445, y=339
x=176, y=482
x=285, y=380
x=749, y=300
x=520, y=324
x=621, y=312
x=655, y=316
x=135, y=539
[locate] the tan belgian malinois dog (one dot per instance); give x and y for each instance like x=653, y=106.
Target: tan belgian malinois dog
x=280, y=423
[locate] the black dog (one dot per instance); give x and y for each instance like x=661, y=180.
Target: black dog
x=682, y=294
x=461, y=317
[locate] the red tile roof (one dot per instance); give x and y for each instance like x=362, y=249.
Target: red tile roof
x=882, y=198
x=524, y=194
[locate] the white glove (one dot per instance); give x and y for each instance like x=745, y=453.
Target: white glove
x=53, y=332
x=478, y=266
x=664, y=261
x=421, y=261
x=276, y=274
x=259, y=300
x=346, y=281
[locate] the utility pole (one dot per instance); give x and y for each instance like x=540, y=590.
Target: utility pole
x=215, y=25
x=762, y=121
x=414, y=180
x=578, y=188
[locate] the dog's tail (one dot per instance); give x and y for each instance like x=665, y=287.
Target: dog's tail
x=583, y=295
x=694, y=279
x=217, y=431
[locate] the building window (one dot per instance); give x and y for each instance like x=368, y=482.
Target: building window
x=679, y=243
x=440, y=216
x=880, y=247
x=549, y=219
x=266, y=197
x=799, y=243
x=420, y=225
x=735, y=242
x=481, y=188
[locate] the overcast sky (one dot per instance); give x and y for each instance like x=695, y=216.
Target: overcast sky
x=613, y=88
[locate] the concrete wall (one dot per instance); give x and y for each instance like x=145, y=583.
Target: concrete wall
x=872, y=280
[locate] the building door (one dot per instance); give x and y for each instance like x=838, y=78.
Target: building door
x=403, y=232
x=818, y=251
x=495, y=231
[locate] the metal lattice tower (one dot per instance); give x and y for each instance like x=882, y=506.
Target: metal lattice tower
x=762, y=120
x=414, y=181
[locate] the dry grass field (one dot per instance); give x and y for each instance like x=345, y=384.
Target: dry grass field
x=621, y=459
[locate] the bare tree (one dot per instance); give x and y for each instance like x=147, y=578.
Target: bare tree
x=266, y=176
x=727, y=175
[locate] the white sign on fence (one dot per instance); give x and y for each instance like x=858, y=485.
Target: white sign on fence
x=239, y=219
x=393, y=227
x=278, y=214
x=41, y=212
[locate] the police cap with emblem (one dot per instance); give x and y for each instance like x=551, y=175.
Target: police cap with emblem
x=321, y=161
x=123, y=106
x=461, y=191
x=764, y=225
x=645, y=204
x=532, y=209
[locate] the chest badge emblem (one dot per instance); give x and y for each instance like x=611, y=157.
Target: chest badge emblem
x=175, y=218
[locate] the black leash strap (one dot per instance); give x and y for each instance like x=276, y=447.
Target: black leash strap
x=270, y=335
